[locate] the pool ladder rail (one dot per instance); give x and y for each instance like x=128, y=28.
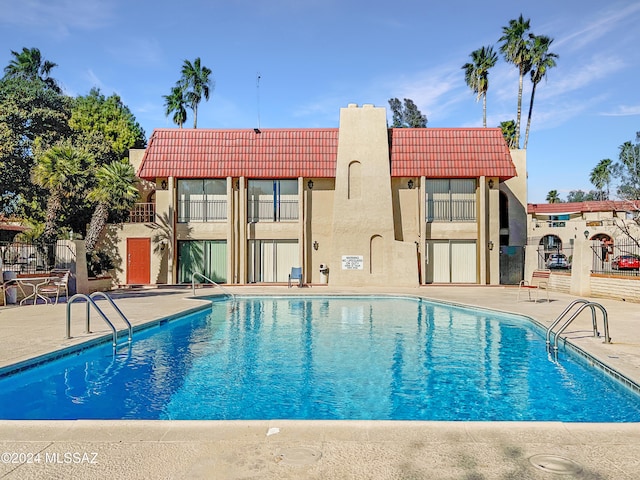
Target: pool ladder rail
x=581, y=304
x=89, y=299
x=198, y=274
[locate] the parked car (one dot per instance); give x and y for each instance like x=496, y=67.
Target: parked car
x=626, y=262
x=557, y=260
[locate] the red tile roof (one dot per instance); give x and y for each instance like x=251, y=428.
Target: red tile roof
x=290, y=153
x=579, y=207
x=450, y=153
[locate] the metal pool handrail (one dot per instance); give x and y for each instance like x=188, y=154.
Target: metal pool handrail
x=585, y=304
x=115, y=307
x=90, y=301
x=193, y=285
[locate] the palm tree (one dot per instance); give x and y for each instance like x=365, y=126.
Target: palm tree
x=30, y=65
x=509, y=132
x=116, y=189
x=476, y=74
x=515, y=48
x=552, y=197
x=541, y=61
x=176, y=103
x=600, y=177
x=197, y=84
x=60, y=170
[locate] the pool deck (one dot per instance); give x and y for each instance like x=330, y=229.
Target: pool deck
x=318, y=449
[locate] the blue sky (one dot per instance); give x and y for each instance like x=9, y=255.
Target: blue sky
x=316, y=56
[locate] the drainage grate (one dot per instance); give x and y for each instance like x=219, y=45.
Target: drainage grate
x=298, y=456
x=555, y=464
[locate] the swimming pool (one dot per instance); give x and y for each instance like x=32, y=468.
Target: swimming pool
x=383, y=358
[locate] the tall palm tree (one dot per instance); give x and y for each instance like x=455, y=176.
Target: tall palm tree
x=195, y=79
x=515, y=48
x=115, y=189
x=600, y=178
x=176, y=103
x=553, y=197
x=476, y=74
x=541, y=60
x=29, y=64
x=60, y=170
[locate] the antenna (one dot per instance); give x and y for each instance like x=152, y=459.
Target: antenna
x=258, y=96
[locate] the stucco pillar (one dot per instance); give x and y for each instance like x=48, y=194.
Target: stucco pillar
x=581, y=268
x=242, y=230
x=482, y=228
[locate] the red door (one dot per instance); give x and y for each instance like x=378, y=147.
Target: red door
x=138, y=260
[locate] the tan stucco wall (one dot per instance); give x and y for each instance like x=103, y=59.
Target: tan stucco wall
x=363, y=222
x=516, y=191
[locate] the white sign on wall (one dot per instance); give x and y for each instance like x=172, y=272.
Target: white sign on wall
x=352, y=262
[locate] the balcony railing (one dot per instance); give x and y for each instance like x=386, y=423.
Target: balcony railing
x=143, y=213
x=202, y=210
x=451, y=210
x=551, y=223
x=268, y=211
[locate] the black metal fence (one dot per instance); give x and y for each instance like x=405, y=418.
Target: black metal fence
x=621, y=257
x=560, y=258
x=31, y=258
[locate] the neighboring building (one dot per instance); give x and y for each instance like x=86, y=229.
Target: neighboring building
x=555, y=227
x=377, y=206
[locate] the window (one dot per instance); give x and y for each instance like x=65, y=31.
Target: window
x=202, y=200
x=272, y=200
x=451, y=200
x=207, y=257
x=271, y=260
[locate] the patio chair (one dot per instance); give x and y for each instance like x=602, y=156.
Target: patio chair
x=11, y=283
x=296, y=274
x=58, y=282
x=539, y=281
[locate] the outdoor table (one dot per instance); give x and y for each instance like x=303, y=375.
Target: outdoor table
x=34, y=283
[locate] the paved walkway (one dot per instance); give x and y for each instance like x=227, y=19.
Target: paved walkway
x=317, y=449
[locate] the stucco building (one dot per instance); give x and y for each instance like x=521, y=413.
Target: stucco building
x=377, y=206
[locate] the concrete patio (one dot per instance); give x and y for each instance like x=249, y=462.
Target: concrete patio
x=318, y=449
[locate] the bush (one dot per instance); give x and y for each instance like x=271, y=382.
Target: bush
x=99, y=264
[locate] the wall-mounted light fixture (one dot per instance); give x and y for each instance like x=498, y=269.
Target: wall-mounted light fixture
x=586, y=234
x=316, y=245
x=163, y=243
x=490, y=245
x=237, y=184
x=310, y=184
x=163, y=185
x=410, y=184
x=490, y=183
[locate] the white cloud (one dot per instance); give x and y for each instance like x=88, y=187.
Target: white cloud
x=623, y=111
x=59, y=16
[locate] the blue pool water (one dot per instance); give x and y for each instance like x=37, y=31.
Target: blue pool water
x=324, y=358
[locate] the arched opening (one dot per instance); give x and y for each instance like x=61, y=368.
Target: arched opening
x=355, y=180
x=376, y=255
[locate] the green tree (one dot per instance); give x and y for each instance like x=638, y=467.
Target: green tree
x=175, y=103
x=476, y=75
x=600, y=177
x=110, y=117
x=541, y=60
x=30, y=65
x=197, y=84
x=115, y=190
x=553, y=197
x=627, y=170
x=509, y=132
x=406, y=115
x=61, y=171
x=32, y=116
x=515, y=48
x=582, y=196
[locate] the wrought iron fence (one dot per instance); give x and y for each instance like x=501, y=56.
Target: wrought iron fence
x=621, y=257
x=31, y=258
x=559, y=258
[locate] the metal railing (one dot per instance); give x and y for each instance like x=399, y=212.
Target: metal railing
x=202, y=210
x=198, y=274
x=89, y=299
x=620, y=258
x=582, y=305
x=450, y=210
x=271, y=210
x=33, y=258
